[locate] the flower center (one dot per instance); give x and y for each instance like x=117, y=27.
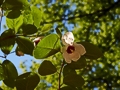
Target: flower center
x=70, y=49
x=36, y=42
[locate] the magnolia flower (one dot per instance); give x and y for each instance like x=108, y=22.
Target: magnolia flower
x=68, y=38
x=71, y=51
x=37, y=40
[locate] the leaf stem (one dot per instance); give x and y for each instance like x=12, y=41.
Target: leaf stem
x=59, y=80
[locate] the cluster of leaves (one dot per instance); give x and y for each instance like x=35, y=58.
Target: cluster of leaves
x=48, y=46
x=9, y=75
x=100, y=26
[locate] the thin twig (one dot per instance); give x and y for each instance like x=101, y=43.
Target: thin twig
x=3, y=56
x=59, y=81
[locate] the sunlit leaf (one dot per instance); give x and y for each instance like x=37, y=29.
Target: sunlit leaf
x=37, y=15
x=25, y=45
x=27, y=81
x=92, y=51
x=10, y=72
x=46, y=68
x=48, y=46
x=46, y=28
x=29, y=29
x=14, y=23
x=73, y=80
x=7, y=41
x=28, y=19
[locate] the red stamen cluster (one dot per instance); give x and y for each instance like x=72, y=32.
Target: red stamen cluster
x=70, y=49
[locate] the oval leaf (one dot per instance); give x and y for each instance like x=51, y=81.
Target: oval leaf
x=58, y=32
x=47, y=46
x=46, y=28
x=25, y=45
x=73, y=80
x=29, y=29
x=7, y=41
x=67, y=70
x=81, y=63
x=92, y=51
x=2, y=73
x=14, y=14
x=10, y=72
x=37, y=15
x=46, y=68
x=15, y=23
x=27, y=81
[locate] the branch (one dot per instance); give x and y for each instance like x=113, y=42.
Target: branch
x=3, y=56
x=99, y=14
x=59, y=80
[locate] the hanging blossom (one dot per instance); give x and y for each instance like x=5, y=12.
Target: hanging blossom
x=71, y=50
x=37, y=40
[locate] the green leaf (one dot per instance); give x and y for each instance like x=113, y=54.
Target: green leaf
x=7, y=41
x=59, y=32
x=67, y=70
x=73, y=80
x=12, y=4
x=1, y=88
x=81, y=63
x=10, y=72
x=14, y=14
x=25, y=45
x=27, y=81
x=46, y=28
x=2, y=73
x=14, y=23
x=29, y=29
x=48, y=46
x=37, y=15
x=68, y=88
x=28, y=19
x=46, y=68
x=92, y=51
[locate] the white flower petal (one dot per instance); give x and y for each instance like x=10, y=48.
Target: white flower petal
x=68, y=38
x=36, y=39
x=79, y=48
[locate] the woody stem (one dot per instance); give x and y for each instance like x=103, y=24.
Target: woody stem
x=59, y=80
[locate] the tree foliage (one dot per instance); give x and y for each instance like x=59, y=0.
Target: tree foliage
x=95, y=25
